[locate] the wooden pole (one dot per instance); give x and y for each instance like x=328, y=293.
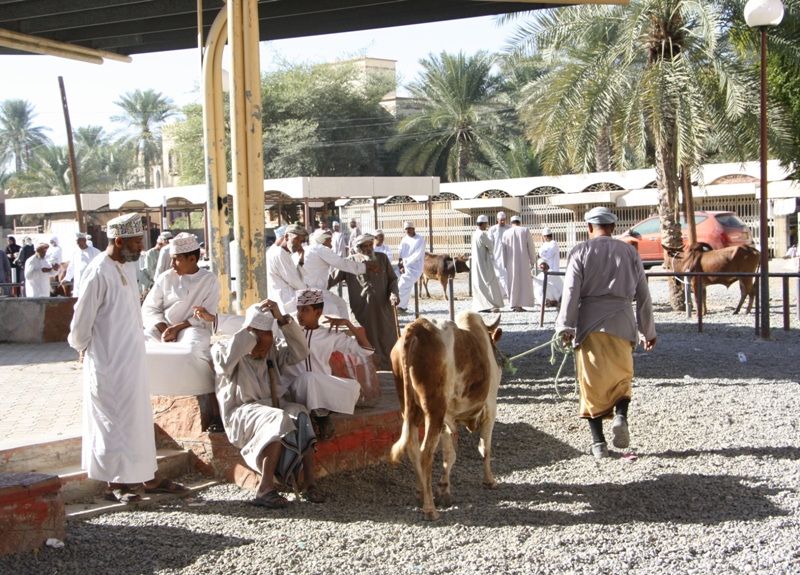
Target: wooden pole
x=430, y=224
x=375, y=213
x=73, y=168
x=688, y=201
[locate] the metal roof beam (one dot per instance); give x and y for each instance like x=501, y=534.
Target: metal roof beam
x=43, y=8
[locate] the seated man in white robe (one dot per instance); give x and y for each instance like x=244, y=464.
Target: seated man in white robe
x=168, y=313
x=275, y=436
x=320, y=260
x=311, y=381
x=555, y=286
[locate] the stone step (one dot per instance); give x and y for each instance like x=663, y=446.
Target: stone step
x=76, y=485
x=37, y=457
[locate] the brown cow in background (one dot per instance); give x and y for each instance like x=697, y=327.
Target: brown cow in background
x=441, y=267
x=732, y=259
x=446, y=375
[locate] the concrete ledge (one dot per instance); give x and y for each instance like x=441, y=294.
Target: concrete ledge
x=36, y=319
x=31, y=511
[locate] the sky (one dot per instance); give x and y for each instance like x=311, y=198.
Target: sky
x=92, y=89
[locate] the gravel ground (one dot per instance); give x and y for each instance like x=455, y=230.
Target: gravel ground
x=714, y=490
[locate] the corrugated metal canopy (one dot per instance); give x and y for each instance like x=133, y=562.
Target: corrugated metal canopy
x=140, y=26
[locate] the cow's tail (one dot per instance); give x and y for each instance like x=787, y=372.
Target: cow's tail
x=399, y=448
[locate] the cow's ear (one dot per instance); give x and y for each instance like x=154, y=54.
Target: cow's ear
x=497, y=335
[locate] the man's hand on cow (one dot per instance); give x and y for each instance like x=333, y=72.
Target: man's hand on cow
x=650, y=344
x=202, y=313
x=374, y=268
x=394, y=299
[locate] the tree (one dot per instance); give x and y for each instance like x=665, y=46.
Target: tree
x=461, y=111
x=18, y=136
x=660, y=71
x=326, y=120
x=143, y=113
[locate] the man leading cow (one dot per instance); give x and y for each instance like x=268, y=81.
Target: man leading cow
x=603, y=277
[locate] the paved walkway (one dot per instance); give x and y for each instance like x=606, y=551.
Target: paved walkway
x=41, y=389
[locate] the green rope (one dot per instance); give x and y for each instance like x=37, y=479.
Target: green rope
x=555, y=344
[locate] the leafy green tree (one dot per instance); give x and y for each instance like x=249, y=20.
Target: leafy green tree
x=188, y=145
x=461, y=112
x=657, y=70
x=513, y=160
x=326, y=120
x=19, y=138
x=143, y=113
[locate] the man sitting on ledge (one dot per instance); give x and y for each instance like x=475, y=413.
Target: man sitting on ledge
x=167, y=311
x=311, y=381
x=275, y=436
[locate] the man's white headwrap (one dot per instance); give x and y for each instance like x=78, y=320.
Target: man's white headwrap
x=321, y=236
x=378, y=232
x=501, y=215
x=54, y=239
x=407, y=225
x=516, y=219
x=80, y=236
x=364, y=238
x=334, y=224
x=297, y=229
x=183, y=244
x=482, y=219
x=258, y=319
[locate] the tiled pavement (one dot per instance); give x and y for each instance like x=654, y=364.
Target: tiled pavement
x=40, y=393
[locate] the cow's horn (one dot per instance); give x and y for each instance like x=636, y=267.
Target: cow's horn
x=493, y=326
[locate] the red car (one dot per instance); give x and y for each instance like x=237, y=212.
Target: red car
x=715, y=230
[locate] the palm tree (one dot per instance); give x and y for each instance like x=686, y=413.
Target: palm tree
x=660, y=72
x=460, y=111
x=513, y=160
x=144, y=111
x=18, y=136
x=48, y=174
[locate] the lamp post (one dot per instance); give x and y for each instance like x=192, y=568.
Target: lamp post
x=762, y=14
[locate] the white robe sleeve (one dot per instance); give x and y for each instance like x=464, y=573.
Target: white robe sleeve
x=209, y=299
x=227, y=356
x=346, y=265
x=293, y=349
x=349, y=346
x=93, y=293
x=153, y=307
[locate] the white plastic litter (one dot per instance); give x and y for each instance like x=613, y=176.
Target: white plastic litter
x=742, y=357
x=54, y=543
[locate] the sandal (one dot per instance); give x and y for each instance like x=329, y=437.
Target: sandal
x=215, y=426
x=271, y=499
x=326, y=428
x=122, y=495
x=313, y=494
x=166, y=486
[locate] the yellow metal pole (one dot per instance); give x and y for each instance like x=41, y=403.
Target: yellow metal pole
x=63, y=49
x=214, y=144
x=241, y=211
x=257, y=284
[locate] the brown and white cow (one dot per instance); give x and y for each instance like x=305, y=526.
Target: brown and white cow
x=446, y=374
x=726, y=260
x=441, y=267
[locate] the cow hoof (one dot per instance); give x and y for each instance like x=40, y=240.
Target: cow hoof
x=431, y=515
x=488, y=485
x=443, y=500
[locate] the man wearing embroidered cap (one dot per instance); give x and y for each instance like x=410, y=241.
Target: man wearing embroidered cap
x=496, y=233
x=380, y=245
x=167, y=312
x=118, y=435
x=78, y=261
x=311, y=381
x=372, y=296
x=164, y=259
x=603, y=278
x=275, y=441
x=149, y=264
x=337, y=240
x=38, y=271
x=411, y=260
x=285, y=267
x=320, y=261
x=355, y=231
x=520, y=259
x=549, y=250
x=487, y=295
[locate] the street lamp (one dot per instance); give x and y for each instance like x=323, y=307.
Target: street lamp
x=762, y=14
